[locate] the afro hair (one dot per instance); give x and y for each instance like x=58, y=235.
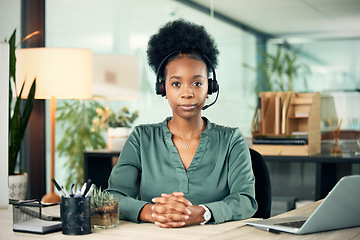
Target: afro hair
x=180, y=35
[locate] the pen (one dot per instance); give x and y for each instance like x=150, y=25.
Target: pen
x=64, y=193
x=273, y=230
x=78, y=193
x=269, y=229
x=88, y=185
x=90, y=190
x=82, y=191
x=72, y=189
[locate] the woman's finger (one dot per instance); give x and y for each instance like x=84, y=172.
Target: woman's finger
x=181, y=195
x=171, y=208
x=178, y=194
x=170, y=225
x=167, y=198
x=166, y=218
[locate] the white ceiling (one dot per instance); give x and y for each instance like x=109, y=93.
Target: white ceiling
x=282, y=18
x=294, y=18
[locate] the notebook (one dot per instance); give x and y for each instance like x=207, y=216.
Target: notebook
x=36, y=225
x=339, y=209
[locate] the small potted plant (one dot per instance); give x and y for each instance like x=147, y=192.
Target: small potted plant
x=118, y=125
x=104, y=209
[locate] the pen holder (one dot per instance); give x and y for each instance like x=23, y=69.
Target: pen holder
x=75, y=215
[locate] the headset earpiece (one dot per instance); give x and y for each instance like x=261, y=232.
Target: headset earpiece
x=213, y=86
x=160, y=88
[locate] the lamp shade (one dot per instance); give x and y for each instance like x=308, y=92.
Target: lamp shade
x=63, y=73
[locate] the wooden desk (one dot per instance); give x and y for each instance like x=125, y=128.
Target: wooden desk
x=149, y=231
x=325, y=169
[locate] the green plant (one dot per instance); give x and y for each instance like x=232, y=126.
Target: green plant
x=76, y=116
x=107, y=118
x=280, y=70
x=19, y=111
x=100, y=197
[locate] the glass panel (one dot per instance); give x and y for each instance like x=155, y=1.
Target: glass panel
x=124, y=27
x=334, y=65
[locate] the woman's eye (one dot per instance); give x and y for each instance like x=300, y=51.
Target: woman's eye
x=175, y=84
x=197, y=84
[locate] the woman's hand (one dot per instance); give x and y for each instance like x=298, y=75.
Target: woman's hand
x=173, y=210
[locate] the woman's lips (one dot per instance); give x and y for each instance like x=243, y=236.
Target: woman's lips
x=187, y=107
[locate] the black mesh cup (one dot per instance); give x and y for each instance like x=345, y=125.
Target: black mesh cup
x=75, y=216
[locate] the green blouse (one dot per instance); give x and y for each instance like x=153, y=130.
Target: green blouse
x=220, y=175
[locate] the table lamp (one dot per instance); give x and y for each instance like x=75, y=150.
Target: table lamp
x=61, y=73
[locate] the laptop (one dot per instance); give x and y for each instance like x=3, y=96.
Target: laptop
x=340, y=209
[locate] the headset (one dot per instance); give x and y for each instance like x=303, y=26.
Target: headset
x=213, y=85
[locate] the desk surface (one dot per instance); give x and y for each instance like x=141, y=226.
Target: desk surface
x=224, y=231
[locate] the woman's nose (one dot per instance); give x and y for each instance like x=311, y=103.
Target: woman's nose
x=187, y=92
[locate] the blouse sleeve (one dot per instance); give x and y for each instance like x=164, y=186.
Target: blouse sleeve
x=240, y=203
x=124, y=180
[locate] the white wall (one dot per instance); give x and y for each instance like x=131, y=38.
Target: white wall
x=4, y=113
x=9, y=21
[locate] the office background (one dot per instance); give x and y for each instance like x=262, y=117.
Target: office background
x=124, y=26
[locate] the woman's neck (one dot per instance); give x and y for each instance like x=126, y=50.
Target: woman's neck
x=186, y=129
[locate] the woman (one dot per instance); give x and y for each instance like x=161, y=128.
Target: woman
x=184, y=170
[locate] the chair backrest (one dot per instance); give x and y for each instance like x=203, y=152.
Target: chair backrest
x=262, y=185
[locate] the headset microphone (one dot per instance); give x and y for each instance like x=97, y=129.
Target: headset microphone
x=209, y=105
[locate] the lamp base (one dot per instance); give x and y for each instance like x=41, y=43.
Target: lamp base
x=51, y=198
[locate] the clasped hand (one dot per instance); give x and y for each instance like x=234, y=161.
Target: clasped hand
x=173, y=210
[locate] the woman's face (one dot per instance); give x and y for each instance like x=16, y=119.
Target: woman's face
x=186, y=86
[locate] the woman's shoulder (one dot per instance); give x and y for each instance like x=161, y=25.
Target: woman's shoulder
x=145, y=132
x=219, y=127
x=225, y=134
x=148, y=127
x=224, y=131
x=222, y=128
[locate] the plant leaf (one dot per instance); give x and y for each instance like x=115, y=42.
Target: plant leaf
x=29, y=103
x=12, y=59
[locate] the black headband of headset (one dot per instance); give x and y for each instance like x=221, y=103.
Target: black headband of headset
x=208, y=62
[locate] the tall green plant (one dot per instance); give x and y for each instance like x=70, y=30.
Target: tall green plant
x=280, y=70
x=76, y=118
x=18, y=115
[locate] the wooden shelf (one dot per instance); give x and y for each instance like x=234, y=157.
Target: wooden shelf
x=286, y=113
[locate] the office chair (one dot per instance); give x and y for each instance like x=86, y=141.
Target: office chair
x=262, y=185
